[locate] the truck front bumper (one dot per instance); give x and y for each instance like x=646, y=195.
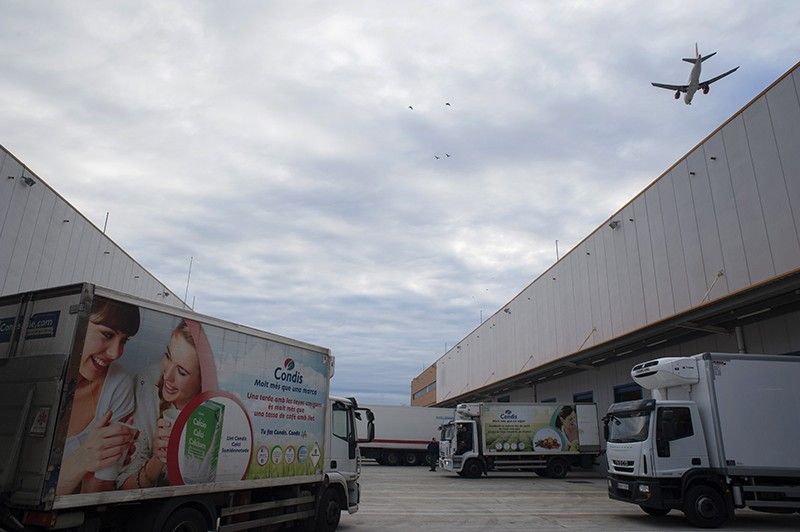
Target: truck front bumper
x=641, y=491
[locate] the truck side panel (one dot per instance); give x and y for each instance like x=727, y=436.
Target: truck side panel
x=757, y=407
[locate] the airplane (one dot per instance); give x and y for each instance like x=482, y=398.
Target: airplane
x=694, y=78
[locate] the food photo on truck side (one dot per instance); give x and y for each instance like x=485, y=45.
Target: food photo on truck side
x=121, y=413
x=719, y=434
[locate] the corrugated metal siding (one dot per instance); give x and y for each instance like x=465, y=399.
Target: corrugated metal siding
x=39, y=249
x=732, y=205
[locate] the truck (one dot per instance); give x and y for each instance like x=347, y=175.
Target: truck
x=546, y=438
x=402, y=433
x=119, y=413
x=720, y=432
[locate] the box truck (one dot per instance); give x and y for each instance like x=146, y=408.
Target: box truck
x=402, y=433
x=546, y=438
x=124, y=414
x=720, y=432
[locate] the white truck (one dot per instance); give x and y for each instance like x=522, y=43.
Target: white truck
x=546, y=438
x=402, y=433
x=118, y=413
x=720, y=432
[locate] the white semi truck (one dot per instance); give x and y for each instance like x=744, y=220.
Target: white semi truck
x=546, y=438
x=720, y=432
x=402, y=433
x=118, y=413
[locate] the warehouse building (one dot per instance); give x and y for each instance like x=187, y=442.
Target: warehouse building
x=46, y=242
x=706, y=258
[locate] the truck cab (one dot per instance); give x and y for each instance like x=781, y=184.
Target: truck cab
x=459, y=449
x=343, y=468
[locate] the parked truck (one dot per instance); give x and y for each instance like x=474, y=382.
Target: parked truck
x=720, y=433
x=546, y=438
x=123, y=414
x=402, y=433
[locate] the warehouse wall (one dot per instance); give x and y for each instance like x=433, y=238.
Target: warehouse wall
x=724, y=218
x=46, y=242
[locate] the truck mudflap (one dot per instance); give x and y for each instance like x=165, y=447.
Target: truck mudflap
x=644, y=492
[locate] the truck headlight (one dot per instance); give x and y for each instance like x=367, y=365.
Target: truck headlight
x=644, y=488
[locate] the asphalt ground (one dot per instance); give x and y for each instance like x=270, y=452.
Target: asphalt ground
x=413, y=498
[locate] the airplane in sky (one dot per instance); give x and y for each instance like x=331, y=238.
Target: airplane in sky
x=694, y=78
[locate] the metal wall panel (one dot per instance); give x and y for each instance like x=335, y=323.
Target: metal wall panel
x=31, y=198
x=737, y=276
x=689, y=231
x=748, y=201
x=666, y=302
x=784, y=107
x=614, y=292
x=675, y=256
x=779, y=219
x=60, y=273
x=620, y=252
x=33, y=257
x=708, y=232
x=634, y=263
x=646, y=261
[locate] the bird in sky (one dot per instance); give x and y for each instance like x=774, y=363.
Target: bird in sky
x=411, y=107
x=448, y=104
x=447, y=154
x=435, y=156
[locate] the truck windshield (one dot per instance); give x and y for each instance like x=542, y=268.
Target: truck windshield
x=627, y=427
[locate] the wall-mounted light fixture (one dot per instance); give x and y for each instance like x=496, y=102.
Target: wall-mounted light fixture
x=28, y=181
x=507, y=310
x=164, y=293
x=64, y=221
x=713, y=158
x=614, y=224
x=691, y=173
x=106, y=253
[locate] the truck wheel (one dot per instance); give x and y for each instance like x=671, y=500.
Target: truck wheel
x=704, y=507
x=655, y=512
x=186, y=519
x=411, y=459
x=391, y=458
x=472, y=469
x=329, y=512
x=557, y=468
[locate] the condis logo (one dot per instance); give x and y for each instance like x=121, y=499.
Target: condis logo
x=287, y=373
x=507, y=415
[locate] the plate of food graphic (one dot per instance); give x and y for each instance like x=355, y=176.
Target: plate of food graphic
x=547, y=440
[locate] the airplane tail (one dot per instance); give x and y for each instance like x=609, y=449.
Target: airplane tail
x=697, y=57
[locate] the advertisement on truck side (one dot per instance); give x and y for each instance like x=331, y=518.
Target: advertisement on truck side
x=163, y=400
x=509, y=428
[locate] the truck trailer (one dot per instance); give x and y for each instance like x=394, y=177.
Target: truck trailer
x=118, y=413
x=546, y=438
x=720, y=433
x=402, y=433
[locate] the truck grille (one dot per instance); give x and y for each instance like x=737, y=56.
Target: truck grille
x=623, y=466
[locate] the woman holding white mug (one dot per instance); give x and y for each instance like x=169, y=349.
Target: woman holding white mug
x=186, y=369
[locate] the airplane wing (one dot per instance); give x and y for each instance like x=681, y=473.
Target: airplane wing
x=682, y=88
x=712, y=80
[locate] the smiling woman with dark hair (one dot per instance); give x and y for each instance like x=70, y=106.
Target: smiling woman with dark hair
x=103, y=396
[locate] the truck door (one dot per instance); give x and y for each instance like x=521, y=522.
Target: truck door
x=680, y=443
x=465, y=441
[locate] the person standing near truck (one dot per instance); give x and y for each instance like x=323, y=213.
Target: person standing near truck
x=103, y=399
x=433, y=453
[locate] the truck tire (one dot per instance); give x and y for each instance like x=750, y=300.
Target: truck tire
x=411, y=459
x=655, y=512
x=329, y=512
x=557, y=468
x=472, y=469
x=704, y=507
x=391, y=458
x=185, y=519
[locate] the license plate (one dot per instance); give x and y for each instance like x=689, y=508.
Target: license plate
x=623, y=486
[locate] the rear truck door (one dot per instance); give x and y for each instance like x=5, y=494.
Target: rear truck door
x=679, y=441
x=588, y=431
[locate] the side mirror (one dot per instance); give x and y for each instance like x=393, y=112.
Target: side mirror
x=370, y=431
x=606, y=431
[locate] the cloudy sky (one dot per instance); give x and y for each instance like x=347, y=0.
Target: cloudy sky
x=273, y=142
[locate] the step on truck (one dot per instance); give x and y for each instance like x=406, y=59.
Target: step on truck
x=720, y=433
x=402, y=433
x=546, y=438
x=118, y=413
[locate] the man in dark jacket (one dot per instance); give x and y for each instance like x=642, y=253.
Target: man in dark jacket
x=433, y=453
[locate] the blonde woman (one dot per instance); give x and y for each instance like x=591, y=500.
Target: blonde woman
x=186, y=369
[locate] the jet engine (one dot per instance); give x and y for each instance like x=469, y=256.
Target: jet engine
x=677, y=94
x=706, y=88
